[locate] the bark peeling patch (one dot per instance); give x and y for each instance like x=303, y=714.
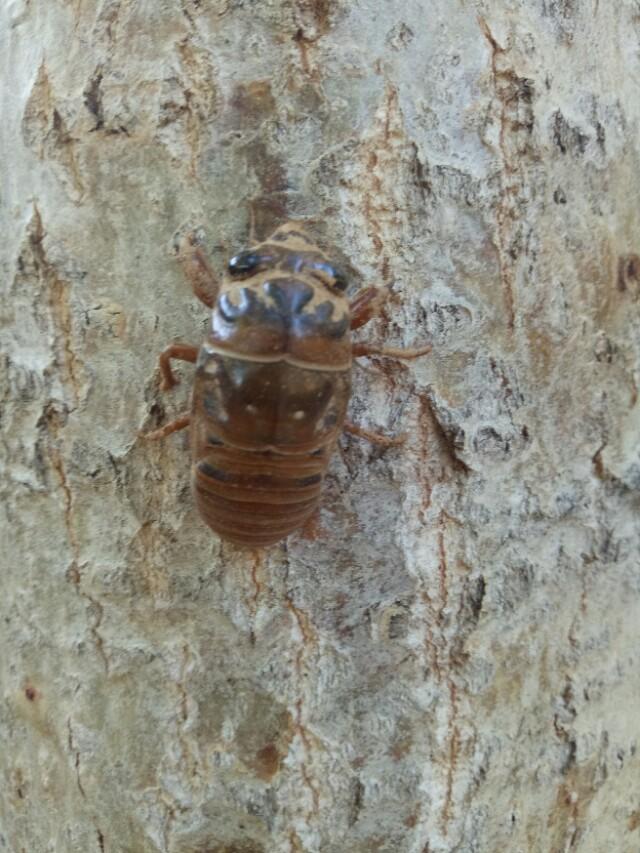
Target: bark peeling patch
x=269, y=202
x=573, y=797
x=564, y=15
x=200, y=95
x=634, y=821
x=568, y=139
x=389, y=179
x=264, y=736
x=311, y=21
x=60, y=306
x=45, y=132
x=251, y=104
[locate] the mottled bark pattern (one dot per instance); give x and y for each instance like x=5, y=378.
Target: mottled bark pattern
x=445, y=659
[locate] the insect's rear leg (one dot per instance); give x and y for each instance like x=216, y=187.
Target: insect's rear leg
x=198, y=270
x=180, y=423
x=180, y=352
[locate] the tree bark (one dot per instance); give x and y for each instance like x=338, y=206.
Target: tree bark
x=447, y=660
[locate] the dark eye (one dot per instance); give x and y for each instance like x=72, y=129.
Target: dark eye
x=243, y=262
x=339, y=280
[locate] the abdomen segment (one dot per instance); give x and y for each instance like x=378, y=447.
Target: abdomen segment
x=256, y=498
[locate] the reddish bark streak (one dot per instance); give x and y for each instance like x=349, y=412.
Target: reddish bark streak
x=308, y=639
x=257, y=586
x=454, y=747
x=375, y=204
x=442, y=572
x=58, y=291
x=76, y=754
x=440, y=653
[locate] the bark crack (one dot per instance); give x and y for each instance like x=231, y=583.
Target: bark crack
x=256, y=566
x=74, y=573
x=295, y=844
x=514, y=96
x=376, y=207
x=59, y=303
x=76, y=755
x=452, y=763
x=441, y=655
x=446, y=437
x=191, y=762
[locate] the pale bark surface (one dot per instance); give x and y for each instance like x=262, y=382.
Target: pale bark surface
x=449, y=661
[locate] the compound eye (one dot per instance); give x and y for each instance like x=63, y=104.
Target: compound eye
x=335, y=276
x=243, y=263
x=340, y=279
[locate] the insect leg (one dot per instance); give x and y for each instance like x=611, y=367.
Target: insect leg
x=198, y=270
x=363, y=307
x=373, y=437
x=181, y=352
x=180, y=423
x=366, y=304
x=358, y=350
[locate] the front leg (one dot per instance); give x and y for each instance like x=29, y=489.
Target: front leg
x=181, y=352
x=198, y=270
x=366, y=304
x=358, y=350
x=373, y=437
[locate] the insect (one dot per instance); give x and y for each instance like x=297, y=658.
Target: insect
x=272, y=383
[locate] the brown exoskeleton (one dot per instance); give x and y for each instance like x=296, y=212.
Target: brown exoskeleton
x=272, y=383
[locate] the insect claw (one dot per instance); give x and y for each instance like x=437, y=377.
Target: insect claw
x=374, y=437
x=179, y=423
x=165, y=385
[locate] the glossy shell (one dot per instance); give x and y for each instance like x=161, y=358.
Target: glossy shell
x=271, y=390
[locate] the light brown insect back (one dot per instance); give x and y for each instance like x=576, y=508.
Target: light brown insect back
x=272, y=383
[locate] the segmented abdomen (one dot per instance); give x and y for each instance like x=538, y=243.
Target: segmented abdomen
x=255, y=497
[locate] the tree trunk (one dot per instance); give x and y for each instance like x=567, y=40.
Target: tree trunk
x=447, y=659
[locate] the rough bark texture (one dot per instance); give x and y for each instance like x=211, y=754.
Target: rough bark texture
x=448, y=661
